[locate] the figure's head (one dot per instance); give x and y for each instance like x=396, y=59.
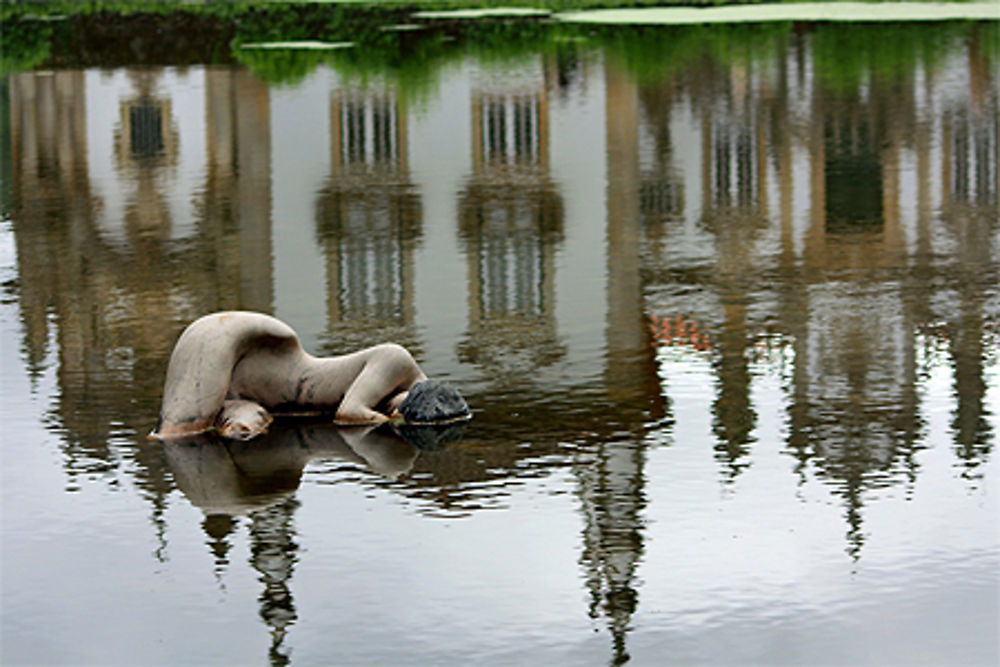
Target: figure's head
x=434, y=402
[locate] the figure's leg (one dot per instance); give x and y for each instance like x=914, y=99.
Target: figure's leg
x=389, y=370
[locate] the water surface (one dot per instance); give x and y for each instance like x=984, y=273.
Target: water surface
x=724, y=301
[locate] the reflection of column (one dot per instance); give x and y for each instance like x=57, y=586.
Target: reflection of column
x=815, y=238
x=611, y=487
x=970, y=145
x=629, y=359
x=252, y=109
x=236, y=198
x=510, y=221
x=611, y=490
x=369, y=219
x=49, y=182
x=854, y=408
x=220, y=216
x=273, y=554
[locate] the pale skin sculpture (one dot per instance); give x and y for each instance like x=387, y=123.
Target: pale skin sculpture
x=228, y=370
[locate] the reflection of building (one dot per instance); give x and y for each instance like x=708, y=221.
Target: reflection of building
x=109, y=266
x=369, y=219
x=823, y=246
x=744, y=202
x=510, y=222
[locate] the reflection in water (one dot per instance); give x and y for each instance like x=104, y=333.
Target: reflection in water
x=273, y=549
x=227, y=479
x=754, y=208
x=840, y=266
x=611, y=492
x=368, y=221
x=510, y=223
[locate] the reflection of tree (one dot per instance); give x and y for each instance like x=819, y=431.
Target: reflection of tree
x=734, y=417
x=369, y=221
x=734, y=210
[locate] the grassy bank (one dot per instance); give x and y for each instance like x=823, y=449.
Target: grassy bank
x=229, y=8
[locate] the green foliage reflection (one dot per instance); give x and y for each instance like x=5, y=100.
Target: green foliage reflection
x=656, y=53
x=846, y=55
x=26, y=44
x=280, y=66
x=411, y=56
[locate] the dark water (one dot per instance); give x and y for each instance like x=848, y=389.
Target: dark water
x=725, y=303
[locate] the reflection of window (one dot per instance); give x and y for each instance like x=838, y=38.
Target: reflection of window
x=853, y=175
x=661, y=197
x=369, y=130
x=510, y=128
x=371, y=264
x=512, y=276
x=972, y=147
x=369, y=213
x=510, y=232
x=735, y=177
x=145, y=130
x=145, y=136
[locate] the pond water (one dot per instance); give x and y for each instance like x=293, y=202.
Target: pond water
x=725, y=303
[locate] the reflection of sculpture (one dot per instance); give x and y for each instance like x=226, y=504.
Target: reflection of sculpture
x=235, y=478
x=226, y=479
x=228, y=368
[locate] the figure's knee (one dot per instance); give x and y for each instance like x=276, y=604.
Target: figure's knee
x=397, y=363
x=242, y=420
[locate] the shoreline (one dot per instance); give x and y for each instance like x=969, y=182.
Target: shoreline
x=856, y=12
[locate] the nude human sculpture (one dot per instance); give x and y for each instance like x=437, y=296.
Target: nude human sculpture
x=228, y=370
